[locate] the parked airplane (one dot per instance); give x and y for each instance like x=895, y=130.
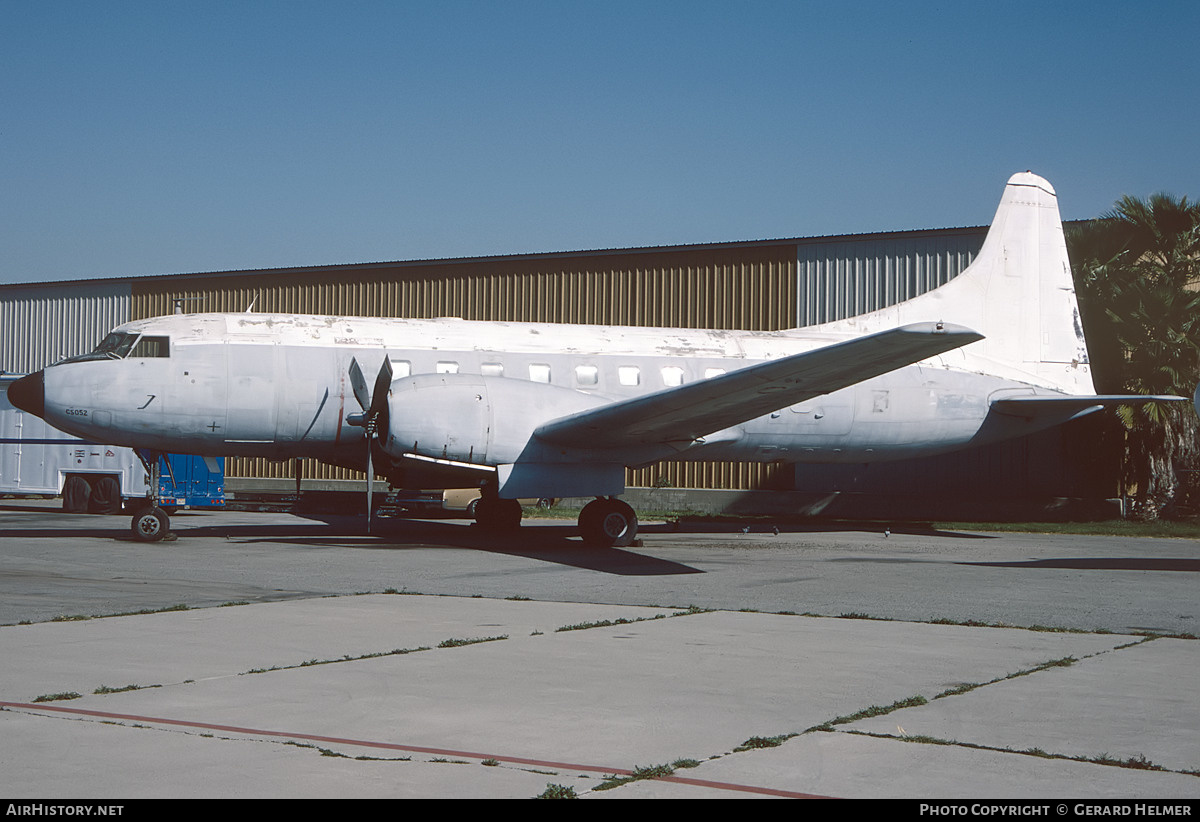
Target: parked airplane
x=548, y=410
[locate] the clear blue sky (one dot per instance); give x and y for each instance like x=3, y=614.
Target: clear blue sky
x=167, y=137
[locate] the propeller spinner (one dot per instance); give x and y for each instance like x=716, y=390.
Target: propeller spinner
x=374, y=417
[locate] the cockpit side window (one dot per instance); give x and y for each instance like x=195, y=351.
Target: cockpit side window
x=149, y=346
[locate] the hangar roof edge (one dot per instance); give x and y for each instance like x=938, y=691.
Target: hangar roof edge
x=540, y=255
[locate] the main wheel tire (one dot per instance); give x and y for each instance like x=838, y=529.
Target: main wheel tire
x=106, y=495
x=76, y=495
x=150, y=525
x=608, y=523
x=498, y=514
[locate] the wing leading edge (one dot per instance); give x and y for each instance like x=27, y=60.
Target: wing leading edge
x=687, y=413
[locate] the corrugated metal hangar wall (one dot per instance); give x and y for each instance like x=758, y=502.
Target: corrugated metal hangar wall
x=766, y=285
x=746, y=287
x=41, y=324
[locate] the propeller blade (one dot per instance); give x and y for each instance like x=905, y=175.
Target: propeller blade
x=374, y=416
x=383, y=384
x=359, y=384
x=370, y=484
x=379, y=400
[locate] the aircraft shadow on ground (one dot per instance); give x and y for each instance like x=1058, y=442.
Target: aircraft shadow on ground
x=1103, y=564
x=760, y=527
x=555, y=544
x=97, y=532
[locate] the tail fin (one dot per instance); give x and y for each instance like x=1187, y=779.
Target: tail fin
x=1018, y=293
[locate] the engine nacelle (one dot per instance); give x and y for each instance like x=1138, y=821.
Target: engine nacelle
x=472, y=418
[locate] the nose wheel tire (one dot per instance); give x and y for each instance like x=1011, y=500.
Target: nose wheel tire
x=608, y=523
x=150, y=525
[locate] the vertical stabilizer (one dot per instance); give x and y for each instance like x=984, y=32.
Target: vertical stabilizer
x=1018, y=293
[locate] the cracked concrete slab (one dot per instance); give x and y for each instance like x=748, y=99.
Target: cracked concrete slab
x=564, y=705
x=839, y=764
x=176, y=646
x=1131, y=703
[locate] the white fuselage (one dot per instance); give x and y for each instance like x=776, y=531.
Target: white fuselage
x=547, y=406
x=276, y=386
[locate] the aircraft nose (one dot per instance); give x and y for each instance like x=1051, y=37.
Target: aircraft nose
x=29, y=393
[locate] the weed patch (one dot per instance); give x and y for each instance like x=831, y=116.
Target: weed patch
x=607, y=623
x=557, y=792
x=756, y=742
x=347, y=658
x=650, y=772
x=458, y=643
x=104, y=689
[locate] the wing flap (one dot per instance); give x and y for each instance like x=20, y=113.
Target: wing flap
x=687, y=413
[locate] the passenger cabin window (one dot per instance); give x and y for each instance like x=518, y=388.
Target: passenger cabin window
x=492, y=369
x=539, y=372
x=628, y=375
x=587, y=375
x=709, y=373
x=401, y=368
x=672, y=375
x=447, y=368
x=149, y=346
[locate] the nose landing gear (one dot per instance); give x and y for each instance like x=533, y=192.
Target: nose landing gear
x=150, y=522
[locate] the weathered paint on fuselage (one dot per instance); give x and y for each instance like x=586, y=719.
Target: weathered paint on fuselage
x=276, y=386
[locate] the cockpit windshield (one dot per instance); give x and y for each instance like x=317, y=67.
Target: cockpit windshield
x=115, y=346
x=119, y=344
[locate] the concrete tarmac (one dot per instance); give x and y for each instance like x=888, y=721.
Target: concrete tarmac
x=325, y=693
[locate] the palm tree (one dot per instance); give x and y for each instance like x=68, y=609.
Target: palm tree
x=1138, y=270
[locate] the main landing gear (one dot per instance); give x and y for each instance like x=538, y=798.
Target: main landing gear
x=495, y=514
x=500, y=515
x=608, y=522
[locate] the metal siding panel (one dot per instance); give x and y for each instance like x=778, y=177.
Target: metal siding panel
x=841, y=278
x=41, y=324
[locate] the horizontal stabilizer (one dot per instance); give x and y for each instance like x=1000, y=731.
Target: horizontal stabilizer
x=1065, y=407
x=685, y=414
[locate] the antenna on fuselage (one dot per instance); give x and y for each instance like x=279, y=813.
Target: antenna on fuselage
x=250, y=310
x=177, y=303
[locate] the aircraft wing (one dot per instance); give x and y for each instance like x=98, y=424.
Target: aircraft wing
x=684, y=414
